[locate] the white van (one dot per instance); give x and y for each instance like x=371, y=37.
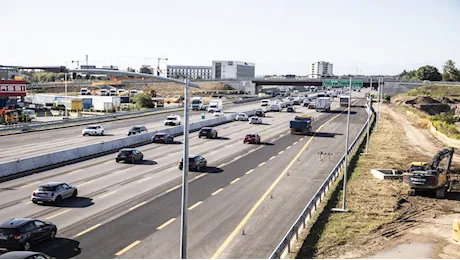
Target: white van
x=265, y=102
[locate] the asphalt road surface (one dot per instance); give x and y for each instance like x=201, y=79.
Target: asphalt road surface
x=37, y=143
x=132, y=211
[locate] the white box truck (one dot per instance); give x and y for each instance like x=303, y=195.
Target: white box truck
x=323, y=104
x=200, y=103
x=215, y=105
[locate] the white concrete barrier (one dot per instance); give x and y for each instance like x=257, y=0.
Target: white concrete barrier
x=60, y=157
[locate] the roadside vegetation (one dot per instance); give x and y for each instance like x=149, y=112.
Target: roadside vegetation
x=372, y=203
x=431, y=73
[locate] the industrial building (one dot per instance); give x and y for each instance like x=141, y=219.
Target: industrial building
x=232, y=70
x=321, y=69
x=191, y=72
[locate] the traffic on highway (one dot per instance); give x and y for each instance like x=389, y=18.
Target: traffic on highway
x=127, y=202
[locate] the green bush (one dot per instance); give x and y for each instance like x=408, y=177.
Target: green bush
x=448, y=129
x=142, y=100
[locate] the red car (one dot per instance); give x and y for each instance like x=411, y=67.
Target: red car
x=252, y=139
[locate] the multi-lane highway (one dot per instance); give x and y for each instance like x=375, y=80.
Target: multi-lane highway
x=36, y=143
x=133, y=211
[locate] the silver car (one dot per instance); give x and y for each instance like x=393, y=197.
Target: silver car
x=53, y=192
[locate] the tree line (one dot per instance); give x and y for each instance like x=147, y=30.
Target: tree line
x=431, y=73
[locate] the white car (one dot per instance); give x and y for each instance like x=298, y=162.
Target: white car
x=276, y=108
x=256, y=120
x=218, y=113
x=265, y=102
x=242, y=117
x=93, y=130
x=173, y=120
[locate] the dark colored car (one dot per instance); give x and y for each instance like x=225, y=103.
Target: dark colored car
x=163, y=138
x=290, y=109
x=209, y=132
x=196, y=163
x=259, y=113
x=252, y=139
x=129, y=155
x=24, y=255
x=22, y=233
x=137, y=130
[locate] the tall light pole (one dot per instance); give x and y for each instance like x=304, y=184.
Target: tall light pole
x=345, y=172
x=378, y=106
x=158, y=65
x=369, y=121
x=65, y=86
x=183, y=226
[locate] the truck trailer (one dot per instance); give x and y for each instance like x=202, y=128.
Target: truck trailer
x=323, y=104
x=344, y=101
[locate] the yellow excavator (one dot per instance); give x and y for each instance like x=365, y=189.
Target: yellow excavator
x=432, y=176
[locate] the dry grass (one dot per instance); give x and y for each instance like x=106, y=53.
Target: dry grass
x=372, y=202
x=437, y=91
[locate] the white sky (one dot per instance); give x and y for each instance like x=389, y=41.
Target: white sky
x=281, y=37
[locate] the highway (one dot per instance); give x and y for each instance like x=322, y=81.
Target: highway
x=132, y=211
x=36, y=143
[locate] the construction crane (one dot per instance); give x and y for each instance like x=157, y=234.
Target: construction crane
x=159, y=71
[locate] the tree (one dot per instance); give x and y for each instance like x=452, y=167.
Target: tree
x=428, y=72
x=142, y=100
x=450, y=72
x=129, y=69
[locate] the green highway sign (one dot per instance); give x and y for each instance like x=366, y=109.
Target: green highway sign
x=342, y=83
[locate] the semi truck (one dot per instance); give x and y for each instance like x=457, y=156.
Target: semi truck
x=215, y=105
x=323, y=104
x=200, y=103
x=301, y=125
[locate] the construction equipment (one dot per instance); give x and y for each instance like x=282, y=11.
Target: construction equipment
x=432, y=176
x=7, y=116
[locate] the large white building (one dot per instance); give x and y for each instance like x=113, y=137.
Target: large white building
x=232, y=70
x=321, y=69
x=191, y=72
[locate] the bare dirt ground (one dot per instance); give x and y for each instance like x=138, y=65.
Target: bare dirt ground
x=383, y=221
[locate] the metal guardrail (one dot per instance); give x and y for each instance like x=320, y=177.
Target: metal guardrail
x=305, y=216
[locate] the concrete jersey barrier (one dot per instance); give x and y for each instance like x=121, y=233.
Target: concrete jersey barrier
x=36, y=162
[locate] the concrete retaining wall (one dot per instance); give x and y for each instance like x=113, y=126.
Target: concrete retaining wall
x=36, y=162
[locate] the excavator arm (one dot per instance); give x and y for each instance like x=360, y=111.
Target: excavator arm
x=441, y=155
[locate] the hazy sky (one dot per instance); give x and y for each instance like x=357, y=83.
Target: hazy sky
x=375, y=36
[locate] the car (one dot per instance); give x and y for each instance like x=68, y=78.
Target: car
x=242, y=117
x=255, y=120
x=297, y=101
x=259, y=113
x=209, y=132
x=173, y=120
x=137, y=130
x=265, y=102
x=218, y=113
x=162, y=138
x=276, y=107
x=252, y=139
x=53, y=192
x=291, y=109
x=24, y=255
x=93, y=130
x=129, y=155
x=196, y=163
x=23, y=233
x=306, y=102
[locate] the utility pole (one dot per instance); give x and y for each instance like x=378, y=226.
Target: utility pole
x=378, y=106
x=369, y=121
x=65, y=86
